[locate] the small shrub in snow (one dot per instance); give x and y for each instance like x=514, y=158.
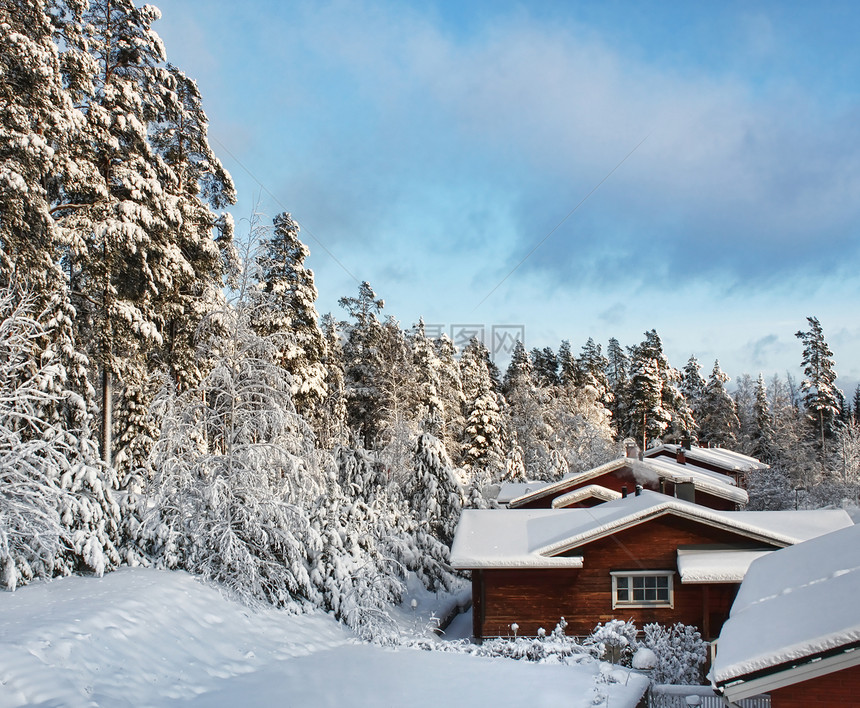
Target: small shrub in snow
x=614, y=641
x=680, y=651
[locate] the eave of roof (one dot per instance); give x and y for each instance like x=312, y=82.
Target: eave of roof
x=590, y=491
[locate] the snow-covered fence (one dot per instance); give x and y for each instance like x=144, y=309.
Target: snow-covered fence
x=662, y=696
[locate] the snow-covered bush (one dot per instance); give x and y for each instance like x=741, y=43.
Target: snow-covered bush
x=233, y=473
x=680, y=651
x=614, y=641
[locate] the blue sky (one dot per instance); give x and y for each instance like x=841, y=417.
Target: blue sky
x=429, y=147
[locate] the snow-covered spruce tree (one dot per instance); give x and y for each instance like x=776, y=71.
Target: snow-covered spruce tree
x=718, y=421
x=451, y=394
x=567, y=364
x=821, y=397
x=362, y=364
x=332, y=429
x=618, y=378
x=592, y=372
x=356, y=576
x=57, y=515
x=286, y=301
x=693, y=389
x=483, y=439
x=233, y=471
x=648, y=418
x=761, y=433
x=433, y=491
x=427, y=405
x=545, y=367
x=527, y=408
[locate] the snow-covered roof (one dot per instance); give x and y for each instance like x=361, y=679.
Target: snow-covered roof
x=534, y=538
x=716, y=565
x=512, y=490
x=505, y=538
x=650, y=470
x=795, y=605
x=590, y=491
x=728, y=460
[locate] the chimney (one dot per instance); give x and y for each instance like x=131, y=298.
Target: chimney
x=638, y=489
x=686, y=440
x=685, y=491
x=632, y=450
x=624, y=492
x=680, y=456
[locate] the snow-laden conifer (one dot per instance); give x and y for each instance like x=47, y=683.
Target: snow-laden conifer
x=57, y=512
x=718, y=420
x=285, y=302
x=821, y=397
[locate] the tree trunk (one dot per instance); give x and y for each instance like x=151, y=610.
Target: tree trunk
x=107, y=414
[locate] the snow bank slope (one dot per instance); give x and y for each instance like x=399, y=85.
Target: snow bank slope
x=151, y=638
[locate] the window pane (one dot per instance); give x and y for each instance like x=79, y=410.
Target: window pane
x=650, y=589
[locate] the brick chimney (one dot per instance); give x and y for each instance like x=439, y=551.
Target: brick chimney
x=680, y=456
x=632, y=450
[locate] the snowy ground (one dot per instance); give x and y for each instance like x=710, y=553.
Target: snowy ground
x=154, y=638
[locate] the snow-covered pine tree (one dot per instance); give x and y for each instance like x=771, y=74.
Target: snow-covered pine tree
x=36, y=116
x=198, y=190
x=37, y=121
x=111, y=201
x=718, y=425
x=820, y=395
x=285, y=303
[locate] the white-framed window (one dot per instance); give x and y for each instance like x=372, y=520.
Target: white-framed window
x=642, y=588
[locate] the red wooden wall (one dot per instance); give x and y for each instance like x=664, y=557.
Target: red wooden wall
x=535, y=598
x=841, y=688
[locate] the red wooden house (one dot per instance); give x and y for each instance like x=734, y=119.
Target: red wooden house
x=794, y=629
x=713, y=459
x=648, y=557
x=609, y=481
